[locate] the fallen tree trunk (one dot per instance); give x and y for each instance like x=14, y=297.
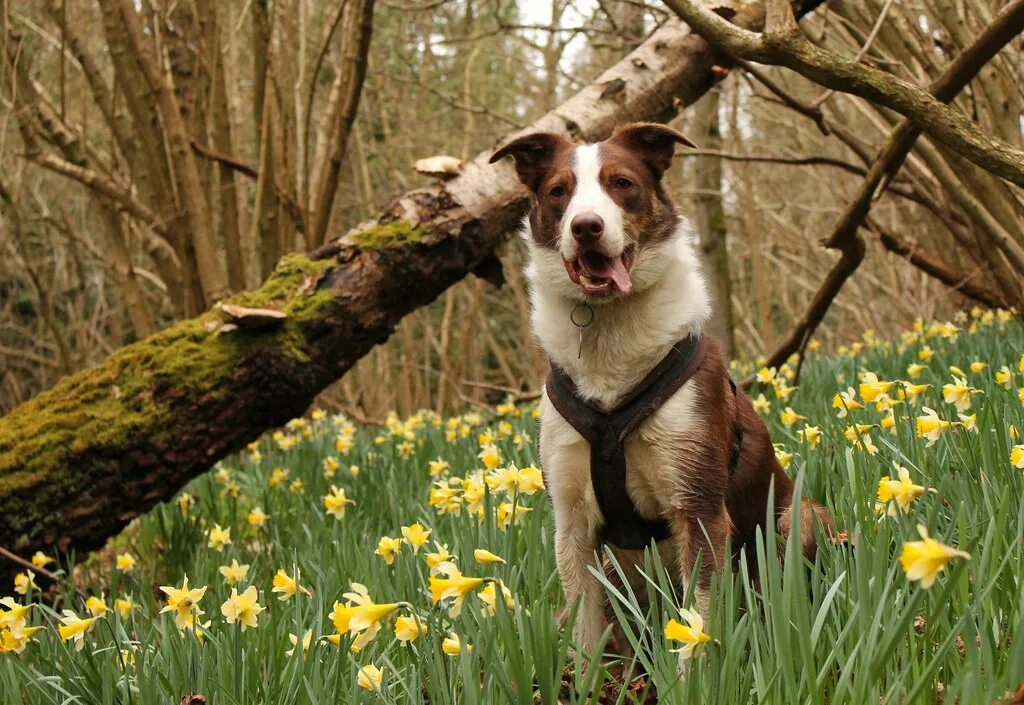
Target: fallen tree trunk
x=81, y=460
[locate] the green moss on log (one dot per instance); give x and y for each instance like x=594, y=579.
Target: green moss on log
x=106, y=405
x=395, y=234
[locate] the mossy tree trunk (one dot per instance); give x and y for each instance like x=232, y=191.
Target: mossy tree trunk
x=81, y=460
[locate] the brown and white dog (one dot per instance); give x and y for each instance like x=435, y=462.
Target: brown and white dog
x=602, y=230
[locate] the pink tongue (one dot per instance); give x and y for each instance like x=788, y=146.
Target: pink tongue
x=610, y=268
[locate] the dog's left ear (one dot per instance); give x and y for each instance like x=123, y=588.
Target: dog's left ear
x=654, y=143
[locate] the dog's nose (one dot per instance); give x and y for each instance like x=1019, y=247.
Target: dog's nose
x=587, y=226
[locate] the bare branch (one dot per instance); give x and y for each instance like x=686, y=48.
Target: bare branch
x=787, y=46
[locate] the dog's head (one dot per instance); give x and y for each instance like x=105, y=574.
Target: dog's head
x=600, y=210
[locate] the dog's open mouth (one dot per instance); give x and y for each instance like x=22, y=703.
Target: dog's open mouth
x=597, y=274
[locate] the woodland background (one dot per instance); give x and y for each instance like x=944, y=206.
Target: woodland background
x=157, y=155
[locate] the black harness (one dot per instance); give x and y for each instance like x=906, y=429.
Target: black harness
x=606, y=432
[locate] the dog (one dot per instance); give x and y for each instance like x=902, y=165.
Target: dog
x=617, y=294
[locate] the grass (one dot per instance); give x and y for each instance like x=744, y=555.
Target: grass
x=850, y=629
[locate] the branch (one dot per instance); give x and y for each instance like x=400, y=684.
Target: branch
x=844, y=236
x=785, y=45
x=938, y=269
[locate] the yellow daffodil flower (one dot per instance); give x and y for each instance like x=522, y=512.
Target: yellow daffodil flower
x=307, y=641
x=811, y=435
x=257, y=517
x=24, y=582
x=898, y=494
x=484, y=556
x=74, y=628
x=41, y=560
x=489, y=596
x=453, y=646
x=1017, y=457
x=958, y=394
x=415, y=536
x=790, y=417
x=455, y=584
x=234, y=573
x=183, y=602
x=845, y=402
x=219, y=538
x=871, y=389
x=335, y=502
x=242, y=609
x=409, y=629
x=930, y=426
x=370, y=677
x=286, y=586
x=96, y=606
x=923, y=560
x=387, y=548
x=691, y=634
x=125, y=562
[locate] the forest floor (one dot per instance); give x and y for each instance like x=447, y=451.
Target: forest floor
x=414, y=563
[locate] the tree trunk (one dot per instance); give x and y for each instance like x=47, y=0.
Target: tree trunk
x=81, y=460
x=709, y=219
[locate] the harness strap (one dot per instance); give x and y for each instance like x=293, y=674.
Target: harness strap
x=606, y=433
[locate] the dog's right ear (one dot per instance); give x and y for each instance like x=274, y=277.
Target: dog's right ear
x=534, y=154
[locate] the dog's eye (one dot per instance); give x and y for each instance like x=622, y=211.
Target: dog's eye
x=623, y=183
x=557, y=191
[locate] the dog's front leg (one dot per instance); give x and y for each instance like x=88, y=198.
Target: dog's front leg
x=575, y=550
x=701, y=538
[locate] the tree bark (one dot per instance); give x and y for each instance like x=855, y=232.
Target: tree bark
x=81, y=460
x=709, y=220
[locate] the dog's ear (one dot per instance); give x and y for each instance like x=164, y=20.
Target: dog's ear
x=654, y=143
x=534, y=155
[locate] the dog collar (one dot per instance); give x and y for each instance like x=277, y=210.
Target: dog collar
x=606, y=431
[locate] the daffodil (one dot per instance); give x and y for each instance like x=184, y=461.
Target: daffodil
x=690, y=633
x=923, y=560
x=387, y=548
x=335, y=502
x=490, y=456
x=415, y=535
x=124, y=606
x=507, y=514
x=790, y=417
x=243, y=608
x=361, y=616
x=307, y=641
x=297, y=487
x=438, y=467
x=183, y=602
x=978, y=366
x=286, y=585
x=1004, y=377
x=15, y=640
x=899, y=493
x=278, y=476
x=1017, y=457
x=438, y=557
x=761, y=404
x=15, y=617
x=845, y=402
x=455, y=584
x=234, y=573
x=871, y=389
x=783, y=456
x=489, y=596
x=531, y=479
x=74, y=628
x=930, y=426
x=41, y=560
x=912, y=391
x=915, y=369
x=958, y=394
x=453, y=646
x=257, y=517
x=96, y=606
x=811, y=435
x=370, y=677
x=408, y=629
x=483, y=556
x=24, y=582
x=219, y=538
x=125, y=562
x=925, y=353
